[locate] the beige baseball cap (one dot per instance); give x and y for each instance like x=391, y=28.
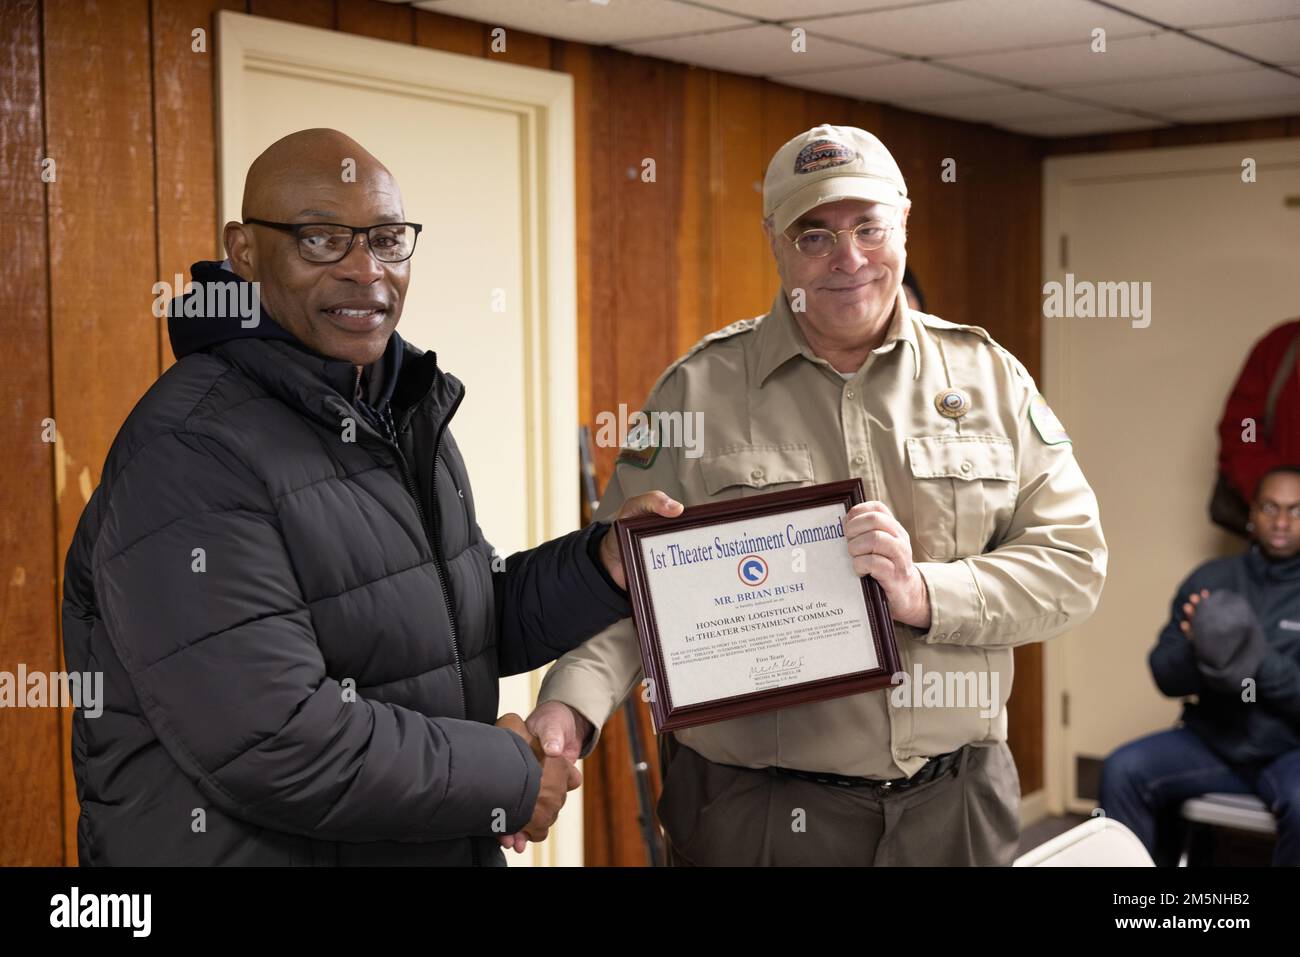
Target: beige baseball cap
x=825, y=164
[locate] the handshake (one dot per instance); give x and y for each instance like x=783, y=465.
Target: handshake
x=556, y=733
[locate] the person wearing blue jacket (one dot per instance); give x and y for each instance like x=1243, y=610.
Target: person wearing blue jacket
x=1232, y=642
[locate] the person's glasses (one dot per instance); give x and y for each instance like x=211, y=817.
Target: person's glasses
x=818, y=243
x=1272, y=510
x=330, y=242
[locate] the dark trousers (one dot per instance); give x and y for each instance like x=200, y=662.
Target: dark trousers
x=717, y=814
x=1144, y=783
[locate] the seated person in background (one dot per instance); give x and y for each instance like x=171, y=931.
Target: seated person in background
x=1233, y=641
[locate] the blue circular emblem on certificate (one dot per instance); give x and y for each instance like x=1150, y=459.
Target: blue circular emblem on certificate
x=752, y=570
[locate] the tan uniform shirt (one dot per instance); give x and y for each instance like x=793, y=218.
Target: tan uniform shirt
x=1004, y=527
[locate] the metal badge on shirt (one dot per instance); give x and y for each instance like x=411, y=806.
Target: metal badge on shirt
x=953, y=403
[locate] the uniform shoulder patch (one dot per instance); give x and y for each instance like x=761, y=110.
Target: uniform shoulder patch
x=1048, y=426
x=641, y=448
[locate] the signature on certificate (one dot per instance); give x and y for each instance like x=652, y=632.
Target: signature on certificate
x=775, y=663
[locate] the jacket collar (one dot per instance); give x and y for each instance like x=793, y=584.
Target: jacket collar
x=376, y=386
x=780, y=339
x=1263, y=568
x=322, y=388
x=317, y=385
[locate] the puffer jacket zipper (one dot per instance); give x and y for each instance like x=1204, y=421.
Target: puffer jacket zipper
x=431, y=531
x=392, y=432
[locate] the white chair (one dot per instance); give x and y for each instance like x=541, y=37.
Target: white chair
x=1242, y=812
x=1245, y=812
x=1099, y=842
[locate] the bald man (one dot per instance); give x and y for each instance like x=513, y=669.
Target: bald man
x=282, y=578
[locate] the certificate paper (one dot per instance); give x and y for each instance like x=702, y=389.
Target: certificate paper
x=753, y=604
x=757, y=604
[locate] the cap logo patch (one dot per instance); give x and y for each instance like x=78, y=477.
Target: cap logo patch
x=823, y=154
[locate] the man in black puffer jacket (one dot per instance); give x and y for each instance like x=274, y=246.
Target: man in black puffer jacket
x=281, y=577
x=1233, y=641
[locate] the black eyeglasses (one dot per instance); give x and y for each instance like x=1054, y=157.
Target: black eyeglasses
x=330, y=242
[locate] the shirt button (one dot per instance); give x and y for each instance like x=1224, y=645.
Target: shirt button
x=756, y=474
x=966, y=466
x=848, y=394
x=859, y=459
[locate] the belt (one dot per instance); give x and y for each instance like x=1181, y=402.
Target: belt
x=935, y=768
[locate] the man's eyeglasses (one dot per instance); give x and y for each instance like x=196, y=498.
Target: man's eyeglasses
x=330, y=242
x=1272, y=510
x=819, y=243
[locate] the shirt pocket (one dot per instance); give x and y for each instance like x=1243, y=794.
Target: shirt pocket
x=961, y=484
x=740, y=471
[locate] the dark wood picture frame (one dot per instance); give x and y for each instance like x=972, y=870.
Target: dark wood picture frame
x=875, y=610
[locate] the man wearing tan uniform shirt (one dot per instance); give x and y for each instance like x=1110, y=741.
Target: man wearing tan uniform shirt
x=980, y=528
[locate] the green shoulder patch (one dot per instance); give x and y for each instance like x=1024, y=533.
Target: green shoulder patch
x=1048, y=426
x=641, y=448
x=638, y=458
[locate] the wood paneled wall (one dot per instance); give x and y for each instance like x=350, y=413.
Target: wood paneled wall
x=31, y=803
x=114, y=94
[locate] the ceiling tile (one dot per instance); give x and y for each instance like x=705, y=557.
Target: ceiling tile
x=1185, y=92
x=617, y=21
x=1275, y=42
x=997, y=108
x=1198, y=13
x=757, y=50
x=797, y=10
x=892, y=82
x=1241, y=110
x=970, y=26
x=1162, y=54
x=1100, y=121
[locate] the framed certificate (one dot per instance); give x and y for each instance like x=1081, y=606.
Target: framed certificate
x=753, y=604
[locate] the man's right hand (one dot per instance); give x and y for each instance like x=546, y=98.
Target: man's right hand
x=558, y=777
x=560, y=728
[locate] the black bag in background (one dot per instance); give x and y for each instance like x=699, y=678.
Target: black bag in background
x=1228, y=509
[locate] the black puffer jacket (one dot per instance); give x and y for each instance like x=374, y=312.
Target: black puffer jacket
x=1249, y=628
x=241, y=568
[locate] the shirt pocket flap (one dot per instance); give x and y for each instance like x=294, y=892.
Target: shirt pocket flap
x=756, y=466
x=962, y=457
